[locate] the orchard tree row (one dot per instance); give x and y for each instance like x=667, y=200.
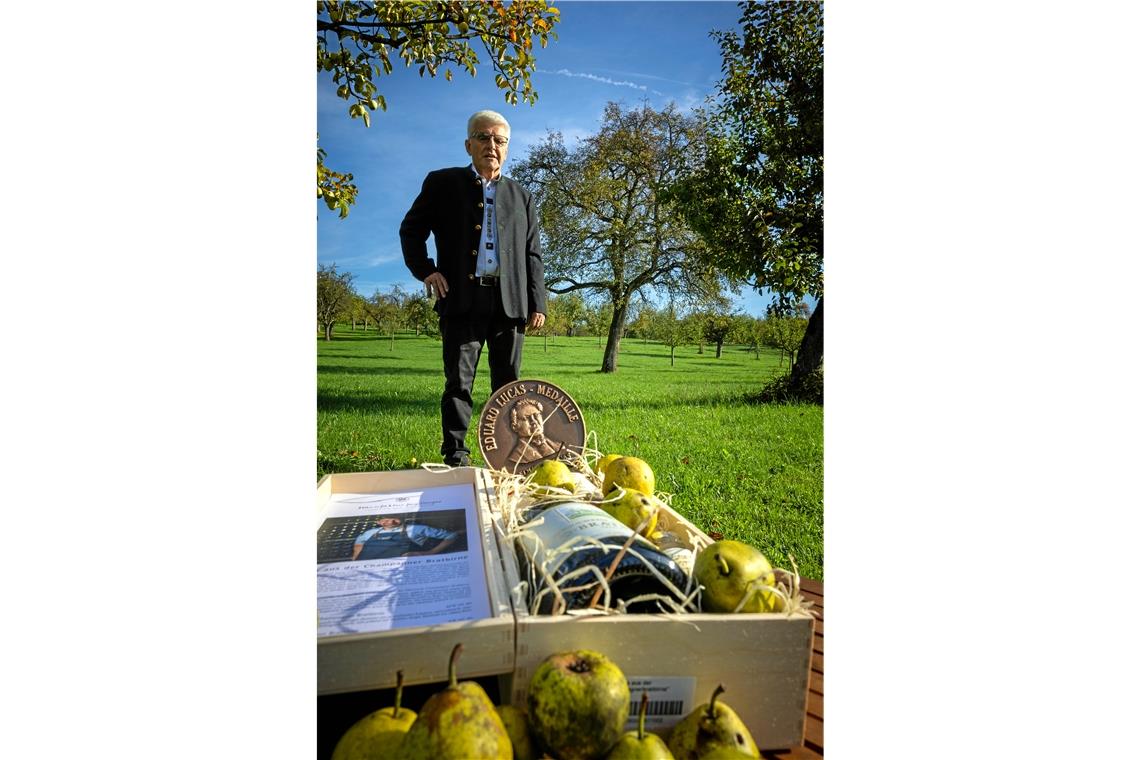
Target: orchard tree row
x=398, y=310
x=781, y=329
x=395, y=310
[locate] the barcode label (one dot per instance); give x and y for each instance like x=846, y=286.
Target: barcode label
x=671, y=707
x=670, y=699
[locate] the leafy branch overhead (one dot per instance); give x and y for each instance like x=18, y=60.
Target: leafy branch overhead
x=358, y=42
x=336, y=188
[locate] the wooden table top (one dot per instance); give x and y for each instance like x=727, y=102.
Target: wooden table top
x=813, y=726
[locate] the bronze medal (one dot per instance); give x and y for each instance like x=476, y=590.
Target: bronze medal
x=526, y=422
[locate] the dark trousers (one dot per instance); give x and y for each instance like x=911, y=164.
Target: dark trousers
x=463, y=339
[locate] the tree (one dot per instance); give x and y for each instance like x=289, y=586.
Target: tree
x=357, y=311
x=642, y=323
x=757, y=200
x=749, y=331
x=334, y=296
x=598, y=320
x=667, y=327
x=784, y=334
x=555, y=320
x=572, y=307
x=715, y=329
x=418, y=313
x=387, y=310
x=435, y=35
x=606, y=229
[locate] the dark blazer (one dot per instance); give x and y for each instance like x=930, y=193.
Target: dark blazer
x=450, y=206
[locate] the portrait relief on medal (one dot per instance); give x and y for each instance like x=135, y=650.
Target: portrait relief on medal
x=527, y=422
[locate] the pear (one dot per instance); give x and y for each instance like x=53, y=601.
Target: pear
x=638, y=745
x=728, y=570
x=725, y=753
x=514, y=720
x=710, y=728
x=578, y=703
x=629, y=472
x=553, y=472
x=635, y=508
x=604, y=462
x=378, y=734
x=458, y=723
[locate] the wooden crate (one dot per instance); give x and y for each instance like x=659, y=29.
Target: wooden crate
x=763, y=660
x=356, y=662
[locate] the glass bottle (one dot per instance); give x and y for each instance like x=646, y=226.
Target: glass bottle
x=558, y=539
x=675, y=549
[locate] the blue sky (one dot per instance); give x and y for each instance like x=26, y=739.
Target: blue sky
x=659, y=52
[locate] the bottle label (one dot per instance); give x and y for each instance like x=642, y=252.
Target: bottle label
x=683, y=556
x=573, y=522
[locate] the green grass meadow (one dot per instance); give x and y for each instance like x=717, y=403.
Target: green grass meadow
x=752, y=472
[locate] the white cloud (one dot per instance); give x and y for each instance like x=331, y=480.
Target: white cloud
x=361, y=261
x=384, y=258
x=648, y=76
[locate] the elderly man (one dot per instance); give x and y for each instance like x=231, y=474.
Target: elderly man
x=487, y=274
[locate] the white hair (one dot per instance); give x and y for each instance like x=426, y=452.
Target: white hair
x=489, y=117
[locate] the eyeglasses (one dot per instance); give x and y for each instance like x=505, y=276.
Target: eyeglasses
x=486, y=136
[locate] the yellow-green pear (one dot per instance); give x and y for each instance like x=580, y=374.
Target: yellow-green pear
x=629, y=472
x=553, y=472
x=729, y=571
x=514, y=720
x=458, y=723
x=634, y=509
x=604, y=462
x=725, y=753
x=710, y=728
x=639, y=745
x=378, y=734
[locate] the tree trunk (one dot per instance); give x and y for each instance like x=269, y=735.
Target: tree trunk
x=672, y=355
x=810, y=356
x=719, y=344
x=613, y=342
x=328, y=330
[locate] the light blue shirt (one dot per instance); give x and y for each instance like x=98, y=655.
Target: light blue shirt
x=415, y=532
x=487, y=264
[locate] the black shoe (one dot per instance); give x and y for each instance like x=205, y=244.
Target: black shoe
x=457, y=459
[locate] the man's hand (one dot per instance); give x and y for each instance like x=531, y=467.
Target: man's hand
x=437, y=282
x=537, y=320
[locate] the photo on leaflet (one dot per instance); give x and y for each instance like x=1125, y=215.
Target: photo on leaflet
x=388, y=536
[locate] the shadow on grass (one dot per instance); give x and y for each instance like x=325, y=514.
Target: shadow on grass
x=665, y=403
x=343, y=369
x=727, y=400
x=339, y=402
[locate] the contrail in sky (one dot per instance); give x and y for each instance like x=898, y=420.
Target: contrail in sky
x=603, y=80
